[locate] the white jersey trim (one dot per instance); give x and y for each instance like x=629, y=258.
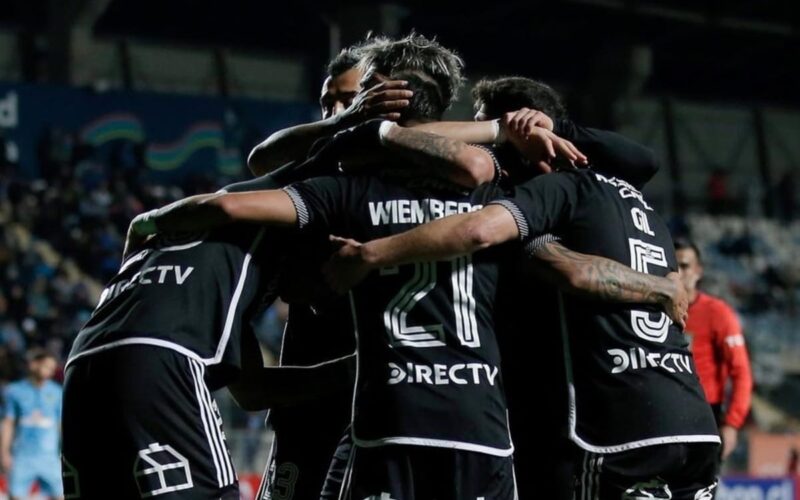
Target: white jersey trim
x=234, y=305
x=137, y=341
x=632, y=445
x=226, y=333
x=433, y=443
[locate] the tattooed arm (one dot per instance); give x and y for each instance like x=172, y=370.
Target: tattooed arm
x=450, y=159
x=604, y=279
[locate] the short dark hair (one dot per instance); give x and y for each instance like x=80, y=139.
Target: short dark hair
x=349, y=57
x=427, y=103
x=345, y=60
x=684, y=243
x=510, y=93
x=417, y=54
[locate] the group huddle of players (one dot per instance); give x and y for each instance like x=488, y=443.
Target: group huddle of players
x=432, y=250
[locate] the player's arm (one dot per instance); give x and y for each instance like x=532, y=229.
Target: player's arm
x=730, y=342
x=259, y=387
x=207, y=211
x=7, y=433
x=440, y=239
x=276, y=386
x=410, y=152
x=485, y=132
x=451, y=159
x=604, y=279
x=384, y=100
x=609, y=152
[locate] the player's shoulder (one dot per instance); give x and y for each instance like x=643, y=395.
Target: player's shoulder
x=718, y=308
x=715, y=303
x=53, y=386
x=13, y=389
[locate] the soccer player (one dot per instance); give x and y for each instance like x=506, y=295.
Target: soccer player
x=342, y=104
x=718, y=348
x=304, y=443
x=530, y=110
x=662, y=442
x=422, y=422
x=30, y=432
x=541, y=111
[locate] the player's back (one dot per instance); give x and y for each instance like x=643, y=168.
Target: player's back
x=429, y=367
x=189, y=295
x=633, y=381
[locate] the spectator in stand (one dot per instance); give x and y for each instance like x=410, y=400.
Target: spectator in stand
x=30, y=429
x=718, y=347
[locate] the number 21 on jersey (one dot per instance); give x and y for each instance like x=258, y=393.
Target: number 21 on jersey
x=395, y=316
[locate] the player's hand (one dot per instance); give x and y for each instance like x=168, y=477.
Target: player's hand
x=385, y=100
x=524, y=120
x=676, y=304
x=133, y=241
x=730, y=436
x=365, y=135
x=541, y=147
x=346, y=268
x=6, y=461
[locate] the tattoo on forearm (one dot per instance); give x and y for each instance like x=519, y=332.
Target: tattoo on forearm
x=424, y=149
x=602, y=278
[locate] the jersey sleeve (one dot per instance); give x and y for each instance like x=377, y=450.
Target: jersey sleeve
x=492, y=152
x=10, y=406
x=730, y=340
x=611, y=153
x=541, y=205
x=319, y=202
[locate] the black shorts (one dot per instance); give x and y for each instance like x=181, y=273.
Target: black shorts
x=677, y=471
x=401, y=472
x=139, y=422
x=299, y=462
x=332, y=489
x=544, y=462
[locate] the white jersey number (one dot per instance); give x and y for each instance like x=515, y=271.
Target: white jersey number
x=395, y=317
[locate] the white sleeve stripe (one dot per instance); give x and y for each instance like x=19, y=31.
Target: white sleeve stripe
x=303, y=215
x=522, y=224
x=536, y=244
x=497, y=170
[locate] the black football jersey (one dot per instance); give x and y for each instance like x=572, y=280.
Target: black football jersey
x=632, y=379
x=429, y=367
x=191, y=296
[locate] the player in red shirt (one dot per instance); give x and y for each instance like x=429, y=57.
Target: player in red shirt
x=718, y=347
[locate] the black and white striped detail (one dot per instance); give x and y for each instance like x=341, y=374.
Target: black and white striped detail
x=345, y=491
x=212, y=423
x=303, y=215
x=498, y=171
x=519, y=218
x=589, y=477
x=535, y=245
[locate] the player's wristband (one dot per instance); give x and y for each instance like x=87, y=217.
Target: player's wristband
x=499, y=133
x=384, y=129
x=144, y=224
